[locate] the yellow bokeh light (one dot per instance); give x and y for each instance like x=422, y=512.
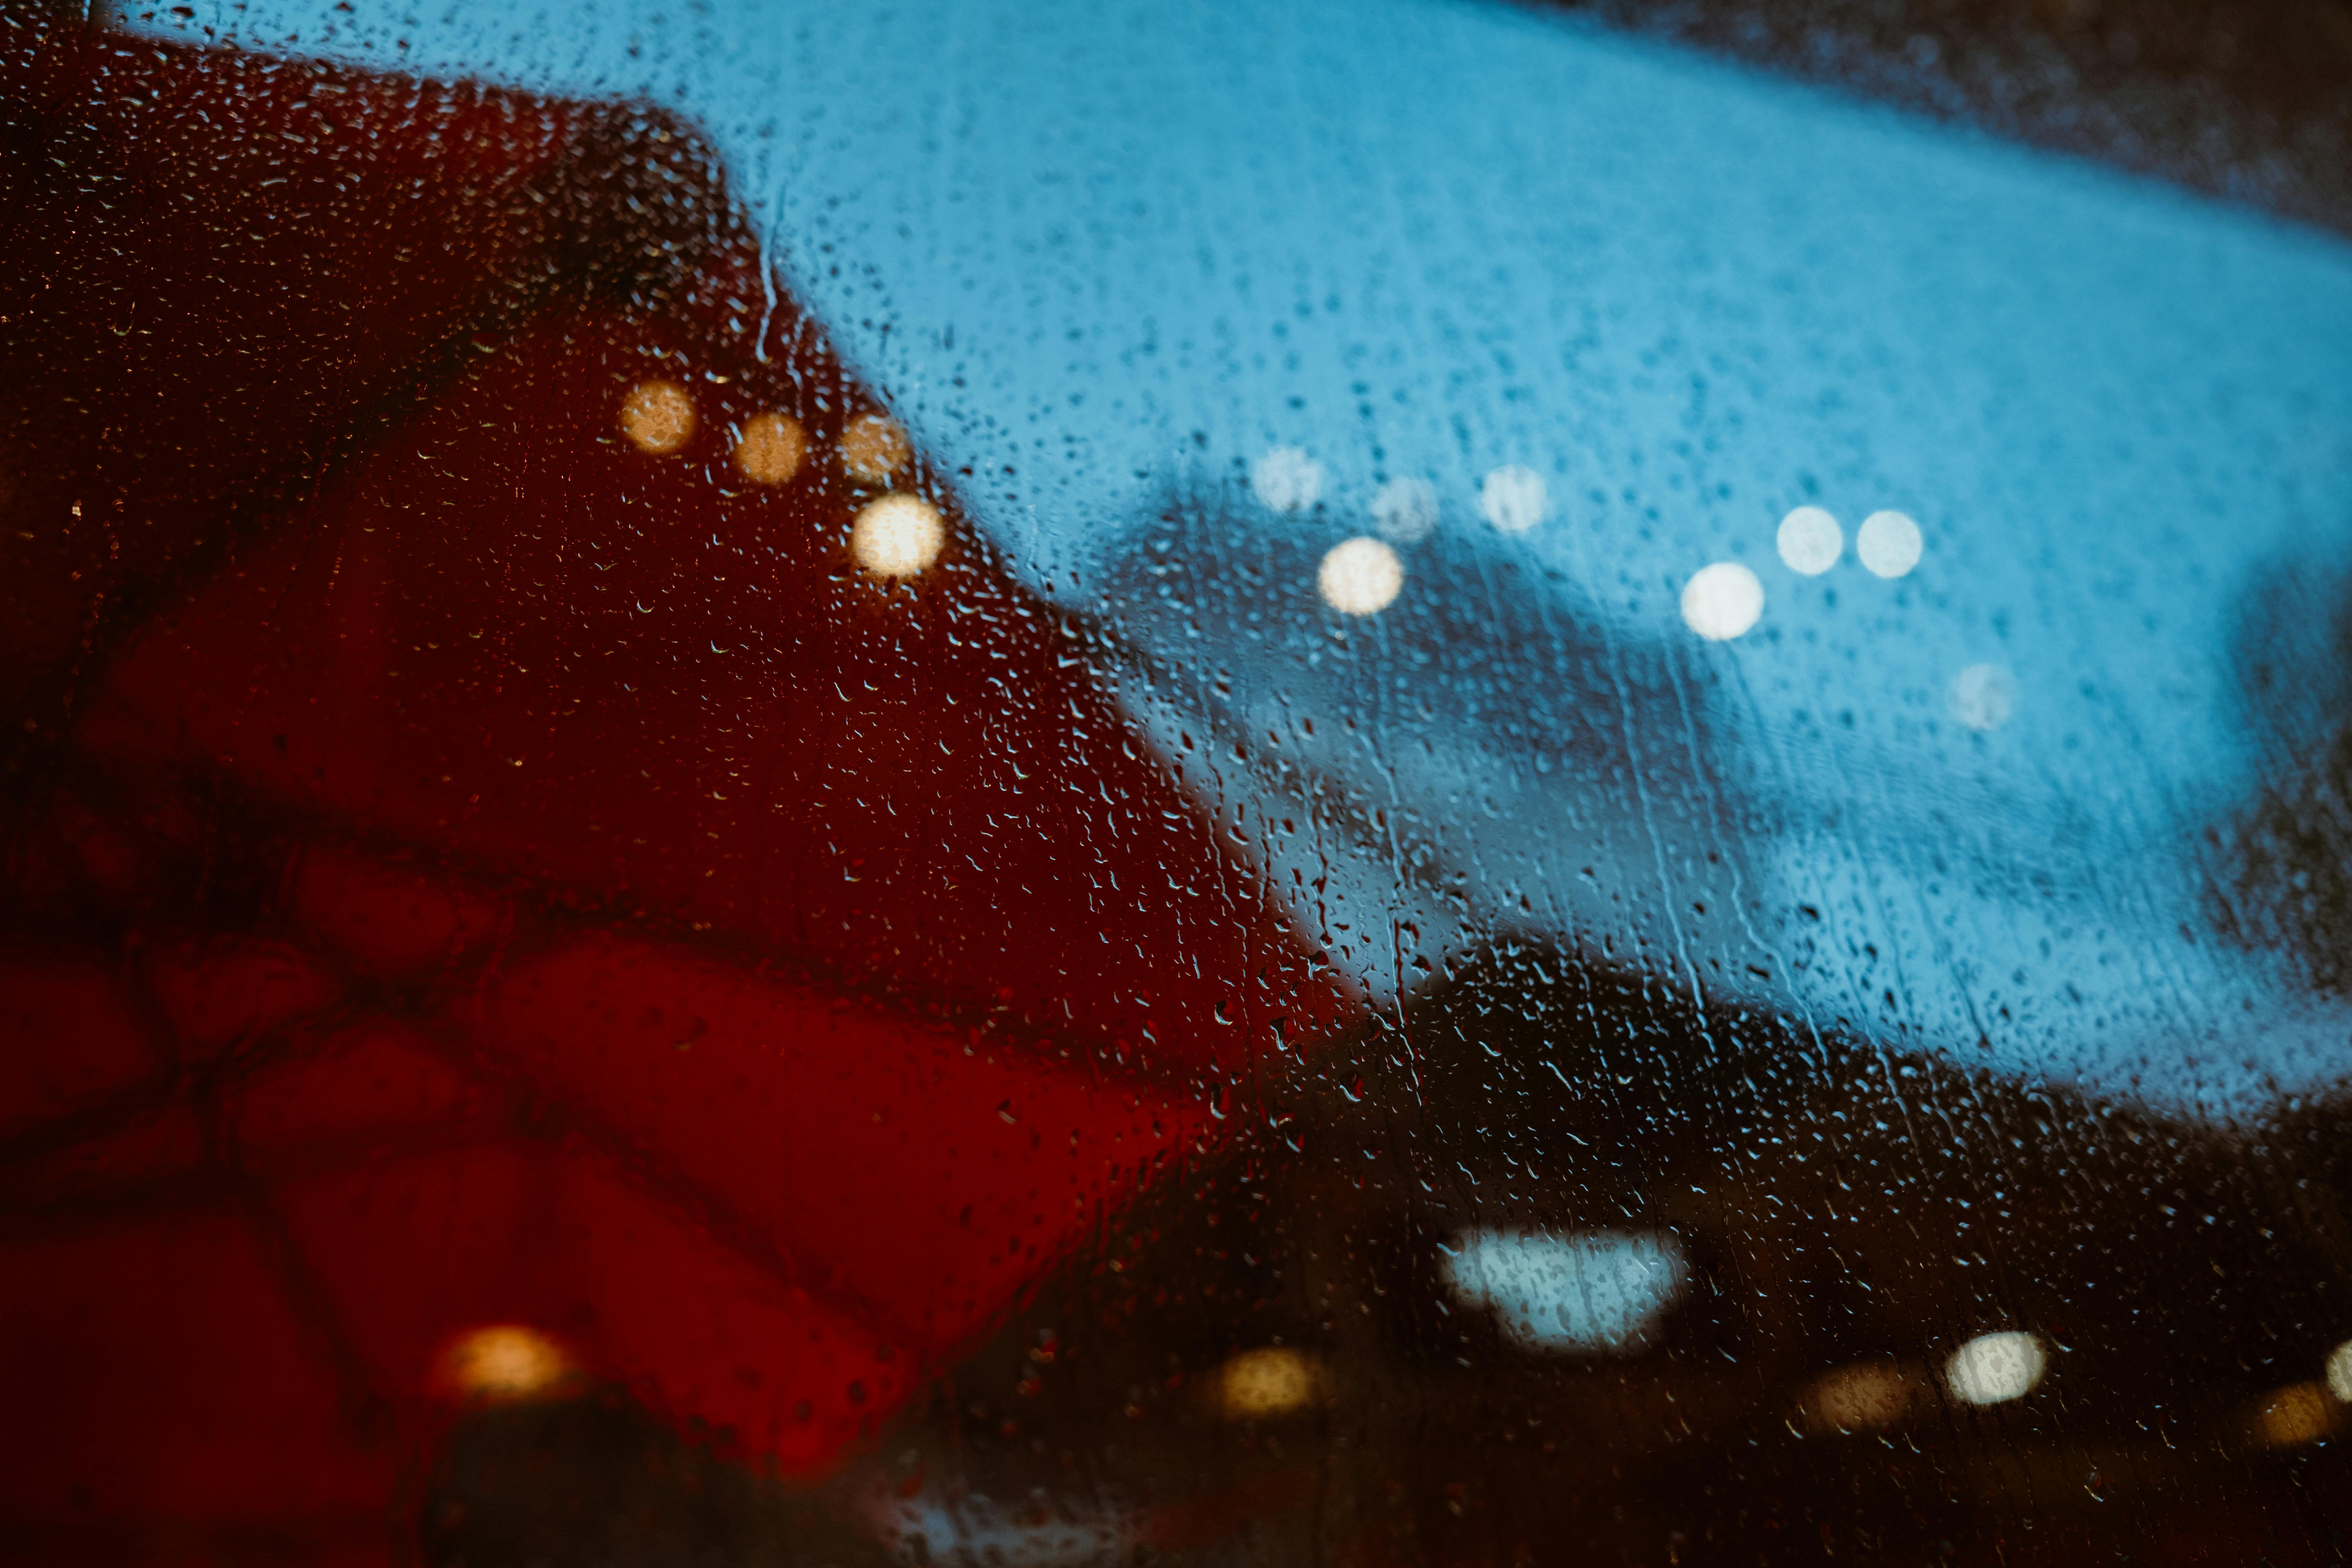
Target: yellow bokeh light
x=2299, y=1414
x=1723, y=601
x=897, y=536
x=506, y=1362
x=1866, y=1397
x=1360, y=577
x=771, y=448
x=657, y=416
x=873, y=448
x=1272, y=1380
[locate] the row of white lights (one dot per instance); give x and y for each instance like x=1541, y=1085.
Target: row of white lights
x=1363, y=575
x=1726, y=600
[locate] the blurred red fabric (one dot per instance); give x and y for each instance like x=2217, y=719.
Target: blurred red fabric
x=470, y=871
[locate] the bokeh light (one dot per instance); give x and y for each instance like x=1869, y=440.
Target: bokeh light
x=1888, y=543
x=1866, y=1397
x=505, y=1361
x=657, y=416
x=1983, y=696
x=1722, y=601
x=1274, y=1380
x=874, y=449
x=1513, y=498
x=2299, y=1414
x=2339, y=1372
x=1360, y=577
x=897, y=536
x=771, y=448
x=1993, y=1369
x=1811, y=541
x=1586, y=1292
x=1287, y=480
x=1405, y=510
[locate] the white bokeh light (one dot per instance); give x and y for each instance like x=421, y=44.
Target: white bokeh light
x=1811, y=541
x=1287, y=480
x=2339, y=1372
x=1360, y=577
x=1983, y=696
x=1993, y=1369
x=1513, y=498
x=1589, y=1292
x=1888, y=543
x=1405, y=511
x=897, y=536
x=1722, y=601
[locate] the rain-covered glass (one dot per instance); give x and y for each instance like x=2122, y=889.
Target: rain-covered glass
x=1375, y=783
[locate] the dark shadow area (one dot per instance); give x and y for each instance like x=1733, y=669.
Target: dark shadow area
x=2249, y=102
x=597, y=1480
x=2284, y=856
x=1267, y=1359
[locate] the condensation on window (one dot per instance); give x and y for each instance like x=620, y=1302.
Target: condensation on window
x=1397, y=782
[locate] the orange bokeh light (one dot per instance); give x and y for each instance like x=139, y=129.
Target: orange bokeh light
x=657, y=416
x=873, y=448
x=771, y=448
x=505, y=1361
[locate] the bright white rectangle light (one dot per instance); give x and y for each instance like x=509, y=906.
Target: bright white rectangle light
x=1586, y=1292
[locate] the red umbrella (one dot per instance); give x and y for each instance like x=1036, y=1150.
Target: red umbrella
x=545, y=846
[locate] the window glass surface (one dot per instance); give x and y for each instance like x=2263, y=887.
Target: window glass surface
x=1400, y=783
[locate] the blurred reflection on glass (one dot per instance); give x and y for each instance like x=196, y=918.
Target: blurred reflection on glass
x=1306, y=911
